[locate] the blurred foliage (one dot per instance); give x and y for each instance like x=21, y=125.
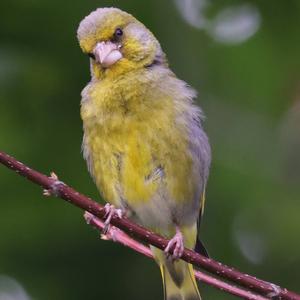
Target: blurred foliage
x=250, y=92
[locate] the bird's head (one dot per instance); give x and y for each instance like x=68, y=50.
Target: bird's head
x=117, y=43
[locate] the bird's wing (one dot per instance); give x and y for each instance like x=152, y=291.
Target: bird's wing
x=199, y=247
x=202, y=152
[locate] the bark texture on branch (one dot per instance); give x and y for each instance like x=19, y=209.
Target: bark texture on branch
x=61, y=190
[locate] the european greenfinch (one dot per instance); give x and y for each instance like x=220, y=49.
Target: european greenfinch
x=143, y=139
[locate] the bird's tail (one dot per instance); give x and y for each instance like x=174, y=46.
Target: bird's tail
x=178, y=278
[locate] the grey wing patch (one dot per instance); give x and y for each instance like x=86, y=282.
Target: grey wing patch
x=157, y=174
x=200, y=148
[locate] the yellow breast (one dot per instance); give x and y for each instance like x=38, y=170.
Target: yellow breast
x=130, y=131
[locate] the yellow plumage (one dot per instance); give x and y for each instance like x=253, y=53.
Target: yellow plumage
x=143, y=140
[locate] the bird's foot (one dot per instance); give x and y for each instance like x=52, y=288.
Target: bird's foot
x=53, y=190
x=176, y=243
x=110, y=211
x=112, y=231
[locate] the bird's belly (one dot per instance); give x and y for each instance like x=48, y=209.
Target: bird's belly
x=122, y=163
x=161, y=214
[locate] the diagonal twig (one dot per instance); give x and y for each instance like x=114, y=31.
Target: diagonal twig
x=65, y=192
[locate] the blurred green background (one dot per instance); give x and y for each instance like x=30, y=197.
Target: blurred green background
x=242, y=57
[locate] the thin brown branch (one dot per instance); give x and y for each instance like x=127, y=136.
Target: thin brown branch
x=117, y=235
x=63, y=191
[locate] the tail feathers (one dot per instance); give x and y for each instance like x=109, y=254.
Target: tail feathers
x=174, y=289
x=200, y=248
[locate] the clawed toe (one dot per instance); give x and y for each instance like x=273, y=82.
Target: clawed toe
x=176, y=243
x=110, y=211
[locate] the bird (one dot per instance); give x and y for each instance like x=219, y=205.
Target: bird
x=143, y=139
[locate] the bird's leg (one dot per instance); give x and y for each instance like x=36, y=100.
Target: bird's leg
x=110, y=211
x=176, y=243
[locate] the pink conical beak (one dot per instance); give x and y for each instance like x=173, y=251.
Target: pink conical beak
x=107, y=53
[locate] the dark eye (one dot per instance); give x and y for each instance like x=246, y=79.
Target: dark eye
x=91, y=55
x=118, y=32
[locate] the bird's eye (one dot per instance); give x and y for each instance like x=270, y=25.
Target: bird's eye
x=118, y=32
x=91, y=55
